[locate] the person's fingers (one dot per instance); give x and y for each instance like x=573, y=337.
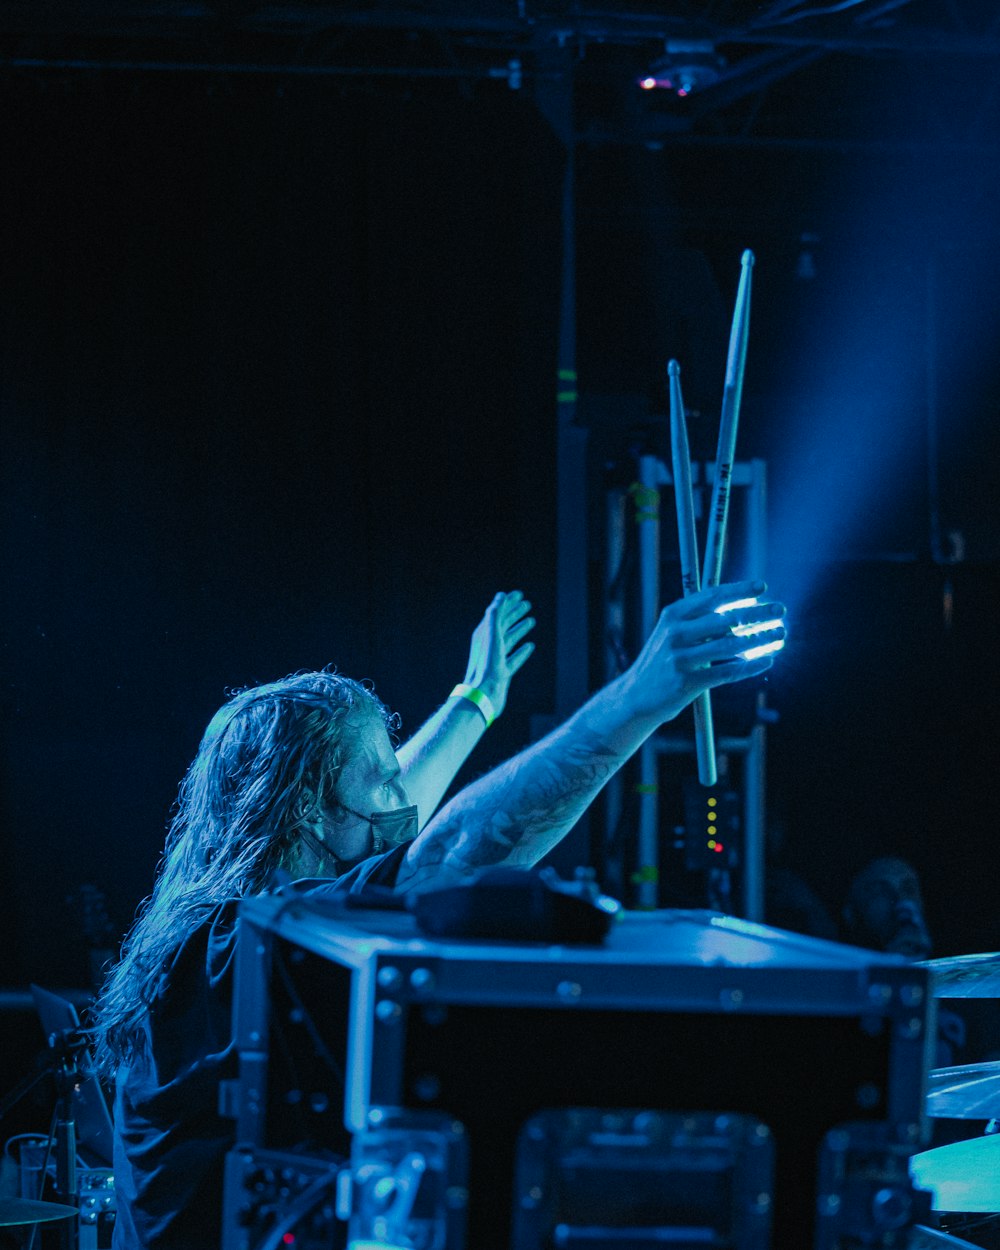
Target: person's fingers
x=713, y=597
x=738, y=670
x=722, y=649
x=513, y=634
x=720, y=625
x=514, y=606
x=519, y=658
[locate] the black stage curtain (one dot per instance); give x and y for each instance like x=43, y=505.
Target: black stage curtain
x=277, y=375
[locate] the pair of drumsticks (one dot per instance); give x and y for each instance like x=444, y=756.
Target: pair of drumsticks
x=719, y=511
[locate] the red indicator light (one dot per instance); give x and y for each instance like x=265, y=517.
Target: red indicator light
x=719, y=847
x=288, y=1239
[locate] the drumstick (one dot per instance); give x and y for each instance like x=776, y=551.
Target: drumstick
x=704, y=735
x=732, y=394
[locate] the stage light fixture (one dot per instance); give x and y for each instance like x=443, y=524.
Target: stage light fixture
x=686, y=66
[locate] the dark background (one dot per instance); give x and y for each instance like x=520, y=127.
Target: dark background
x=277, y=390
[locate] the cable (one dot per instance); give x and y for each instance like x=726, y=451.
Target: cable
x=310, y=1025
x=973, y=1223
x=889, y=7
x=39, y=1137
x=21, y=1137
x=309, y=1198
x=804, y=13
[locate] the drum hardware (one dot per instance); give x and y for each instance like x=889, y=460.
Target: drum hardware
x=85, y=1191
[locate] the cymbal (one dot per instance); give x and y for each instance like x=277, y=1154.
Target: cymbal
x=964, y=1176
x=970, y=1091
x=965, y=976
x=25, y=1211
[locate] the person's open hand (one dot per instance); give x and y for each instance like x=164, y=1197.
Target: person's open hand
x=498, y=649
x=694, y=647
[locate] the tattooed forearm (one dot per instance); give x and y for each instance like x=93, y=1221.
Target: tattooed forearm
x=514, y=814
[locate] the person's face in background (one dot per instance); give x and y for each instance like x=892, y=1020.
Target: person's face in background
x=885, y=910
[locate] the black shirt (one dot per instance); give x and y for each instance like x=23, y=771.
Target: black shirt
x=170, y=1140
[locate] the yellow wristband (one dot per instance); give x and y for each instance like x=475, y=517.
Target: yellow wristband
x=482, y=701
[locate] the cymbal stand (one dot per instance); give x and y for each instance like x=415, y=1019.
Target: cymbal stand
x=65, y=1046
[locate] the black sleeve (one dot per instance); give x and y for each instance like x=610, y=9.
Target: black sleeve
x=378, y=870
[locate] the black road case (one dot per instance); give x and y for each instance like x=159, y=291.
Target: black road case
x=697, y=1080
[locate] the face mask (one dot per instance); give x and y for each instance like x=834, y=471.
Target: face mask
x=390, y=829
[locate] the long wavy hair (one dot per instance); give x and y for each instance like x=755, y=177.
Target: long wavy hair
x=269, y=761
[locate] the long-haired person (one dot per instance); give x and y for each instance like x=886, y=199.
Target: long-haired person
x=298, y=785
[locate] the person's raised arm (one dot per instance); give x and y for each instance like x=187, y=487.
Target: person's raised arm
x=430, y=759
x=517, y=812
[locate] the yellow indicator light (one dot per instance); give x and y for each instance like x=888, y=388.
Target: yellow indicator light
x=712, y=830
x=712, y=802
x=711, y=844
